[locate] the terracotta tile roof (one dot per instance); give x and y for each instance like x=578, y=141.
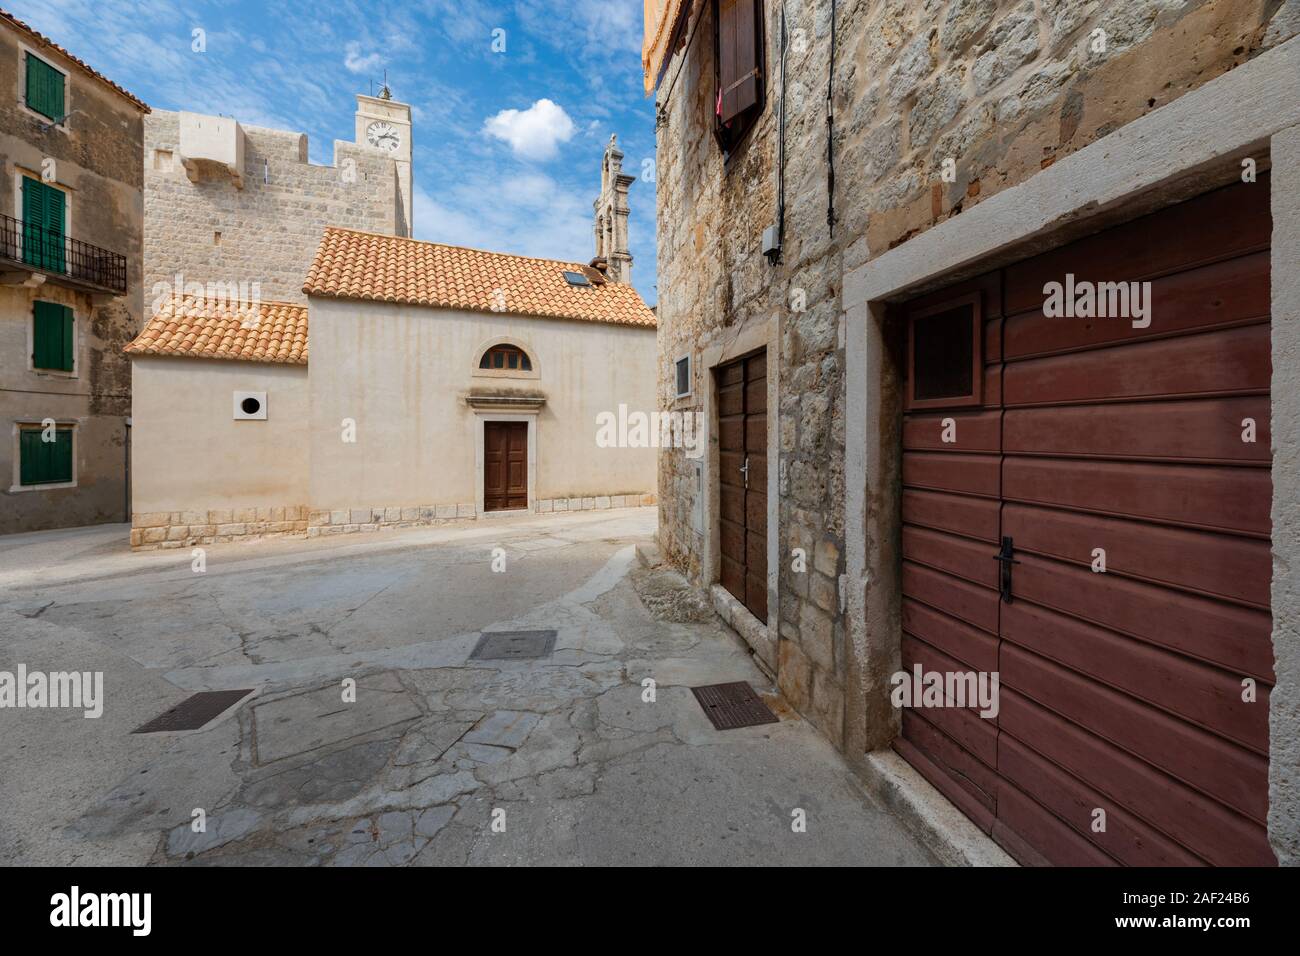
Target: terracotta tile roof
x=42, y=40
x=366, y=265
x=270, y=332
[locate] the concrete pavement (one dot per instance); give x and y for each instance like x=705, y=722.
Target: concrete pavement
x=440, y=758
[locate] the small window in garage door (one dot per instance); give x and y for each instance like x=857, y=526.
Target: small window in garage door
x=943, y=345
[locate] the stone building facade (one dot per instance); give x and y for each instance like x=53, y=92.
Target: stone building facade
x=70, y=284
x=225, y=203
x=934, y=109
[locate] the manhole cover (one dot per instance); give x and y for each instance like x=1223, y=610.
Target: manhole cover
x=193, y=712
x=514, y=645
x=733, y=705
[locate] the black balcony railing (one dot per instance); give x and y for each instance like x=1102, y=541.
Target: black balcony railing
x=56, y=254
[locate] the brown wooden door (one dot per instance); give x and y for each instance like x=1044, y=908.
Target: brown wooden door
x=505, y=465
x=742, y=467
x=1121, y=688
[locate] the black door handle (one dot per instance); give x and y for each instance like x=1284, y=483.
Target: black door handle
x=1007, y=559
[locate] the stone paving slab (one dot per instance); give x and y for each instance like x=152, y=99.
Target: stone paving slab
x=302, y=722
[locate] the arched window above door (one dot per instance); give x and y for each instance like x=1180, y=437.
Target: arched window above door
x=505, y=357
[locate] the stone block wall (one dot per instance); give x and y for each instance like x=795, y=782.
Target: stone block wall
x=938, y=105
x=351, y=520
x=597, y=503
x=185, y=529
x=269, y=229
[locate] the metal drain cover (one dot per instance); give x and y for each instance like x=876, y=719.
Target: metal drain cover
x=513, y=646
x=733, y=705
x=194, y=711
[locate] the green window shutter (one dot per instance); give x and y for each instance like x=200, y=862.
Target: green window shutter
x=61, y=455
x=55, y=210
x=33, y=220
x=53, y=336
x=47, y=332
x=35, y=84
x=44, y=216
x=44, y=88
x=55, y=216
x=32, y=456
x=69, y=341
x=42, y=462
x=33, y=201
x=57, y=80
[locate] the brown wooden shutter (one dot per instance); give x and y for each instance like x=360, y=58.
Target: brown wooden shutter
x=739, y=76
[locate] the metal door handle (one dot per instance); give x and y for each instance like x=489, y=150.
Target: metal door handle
x=745, y=471
x=1007, y=559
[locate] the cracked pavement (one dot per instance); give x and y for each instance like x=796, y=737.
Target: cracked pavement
x=440, y=759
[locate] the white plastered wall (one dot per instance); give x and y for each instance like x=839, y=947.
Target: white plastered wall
x=189, y=454
x=404, y=375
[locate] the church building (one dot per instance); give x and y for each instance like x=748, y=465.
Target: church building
x=406, y=382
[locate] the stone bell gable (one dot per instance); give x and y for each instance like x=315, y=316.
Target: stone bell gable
x=611, y=212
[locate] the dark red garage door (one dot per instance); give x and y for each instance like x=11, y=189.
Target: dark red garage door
x=1083, y=440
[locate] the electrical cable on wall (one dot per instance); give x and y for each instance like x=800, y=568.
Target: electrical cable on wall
x=830, y=131
x=780, y=148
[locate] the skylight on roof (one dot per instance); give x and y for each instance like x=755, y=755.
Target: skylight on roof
x=576, y=278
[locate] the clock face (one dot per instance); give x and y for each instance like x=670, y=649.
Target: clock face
x=383, y=135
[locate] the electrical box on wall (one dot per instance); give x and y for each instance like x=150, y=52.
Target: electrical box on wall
x=250, y=406
x=771, y=242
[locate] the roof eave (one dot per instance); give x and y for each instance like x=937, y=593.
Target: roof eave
x=152, y=353
x=310, y=293
x=83, y=67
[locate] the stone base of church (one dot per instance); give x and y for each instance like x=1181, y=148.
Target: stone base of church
x=353, y=520
x=188, y=529
x=595, y=503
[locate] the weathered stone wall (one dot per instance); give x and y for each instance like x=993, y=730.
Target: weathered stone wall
x=1002, y=88
x=269, y=229
x=96, y=160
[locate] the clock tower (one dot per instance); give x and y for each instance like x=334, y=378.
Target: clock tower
x=385, y=124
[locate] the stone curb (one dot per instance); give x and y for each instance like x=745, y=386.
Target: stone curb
x=944, y=830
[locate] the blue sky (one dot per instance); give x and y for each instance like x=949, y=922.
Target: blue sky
x=495, y=167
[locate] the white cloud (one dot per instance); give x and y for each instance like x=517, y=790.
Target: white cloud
x=534, y=133
x=356, y=63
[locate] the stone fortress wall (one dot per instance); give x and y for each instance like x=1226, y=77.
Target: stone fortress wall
x=267, y=231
